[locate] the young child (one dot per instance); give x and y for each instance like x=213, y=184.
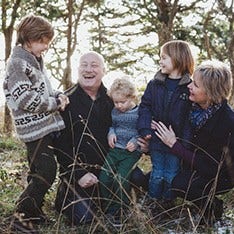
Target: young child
x=123, y=154
x=166, y=99
x=35, y=108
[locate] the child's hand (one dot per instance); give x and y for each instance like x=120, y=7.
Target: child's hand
x=147, y=137
x=111, y=140
x=64, y=100
x=144, y=144
x=131, y=146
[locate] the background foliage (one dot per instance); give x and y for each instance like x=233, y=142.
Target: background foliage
x=180, y=219
x=127, y=33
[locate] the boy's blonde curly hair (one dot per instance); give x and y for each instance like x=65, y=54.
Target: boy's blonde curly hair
x=123, y=86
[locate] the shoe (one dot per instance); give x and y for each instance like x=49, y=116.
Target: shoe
x=21, y=224
x=212, y=214
x=218, y=208
x=30, y=209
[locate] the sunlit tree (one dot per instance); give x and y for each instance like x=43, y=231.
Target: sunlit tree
x=66, y=24
x=65, y=16
x=9, y=14
x=128, y=33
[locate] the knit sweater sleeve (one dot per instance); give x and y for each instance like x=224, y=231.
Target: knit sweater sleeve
x=28, y=89
x=112, y=128
x=111, y=131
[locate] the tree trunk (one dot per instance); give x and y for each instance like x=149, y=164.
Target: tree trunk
x=8, y=126
x=8, y=32
x=71, y=40
x=67, y=73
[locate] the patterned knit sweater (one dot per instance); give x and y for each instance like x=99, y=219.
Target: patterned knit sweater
x=124, y=127
x=30, y=97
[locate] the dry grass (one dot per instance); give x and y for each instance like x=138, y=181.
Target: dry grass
x=179, y=219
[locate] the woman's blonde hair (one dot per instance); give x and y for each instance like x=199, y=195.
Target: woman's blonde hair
x=216, y=78
x=181, y=55
x=33, y=28
x=124, y=87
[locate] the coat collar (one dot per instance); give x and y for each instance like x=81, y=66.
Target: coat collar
x=20, y=52
x=102, y=90
x=159, y=76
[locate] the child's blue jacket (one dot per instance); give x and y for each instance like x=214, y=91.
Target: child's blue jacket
x=154, y=106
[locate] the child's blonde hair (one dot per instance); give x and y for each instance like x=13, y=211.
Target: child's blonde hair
x=181, y=55
x=124, y=87
x=33, y=28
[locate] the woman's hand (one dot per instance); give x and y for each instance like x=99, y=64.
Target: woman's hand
x=87, y=180
x=167, y=135
x=153, y=124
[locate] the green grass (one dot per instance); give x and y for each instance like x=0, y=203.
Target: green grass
x=13, y=171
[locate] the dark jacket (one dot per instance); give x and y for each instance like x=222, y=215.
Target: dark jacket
x=154, y=106
x=213, y=148
x=84, y=140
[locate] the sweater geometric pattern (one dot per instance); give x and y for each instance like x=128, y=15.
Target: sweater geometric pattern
x=124, y=127
x=30, y=97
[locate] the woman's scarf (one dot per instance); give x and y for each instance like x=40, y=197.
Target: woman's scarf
x=198, y=116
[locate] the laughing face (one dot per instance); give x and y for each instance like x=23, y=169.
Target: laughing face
x=198, y=92
x=91, y=71
x=167, y=66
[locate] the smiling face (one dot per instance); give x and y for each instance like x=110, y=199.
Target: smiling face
x=91, y=71
x=197, y=91
x=167, y=66
x=37, y=47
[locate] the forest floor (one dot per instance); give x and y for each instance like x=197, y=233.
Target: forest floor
x=182, y=218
